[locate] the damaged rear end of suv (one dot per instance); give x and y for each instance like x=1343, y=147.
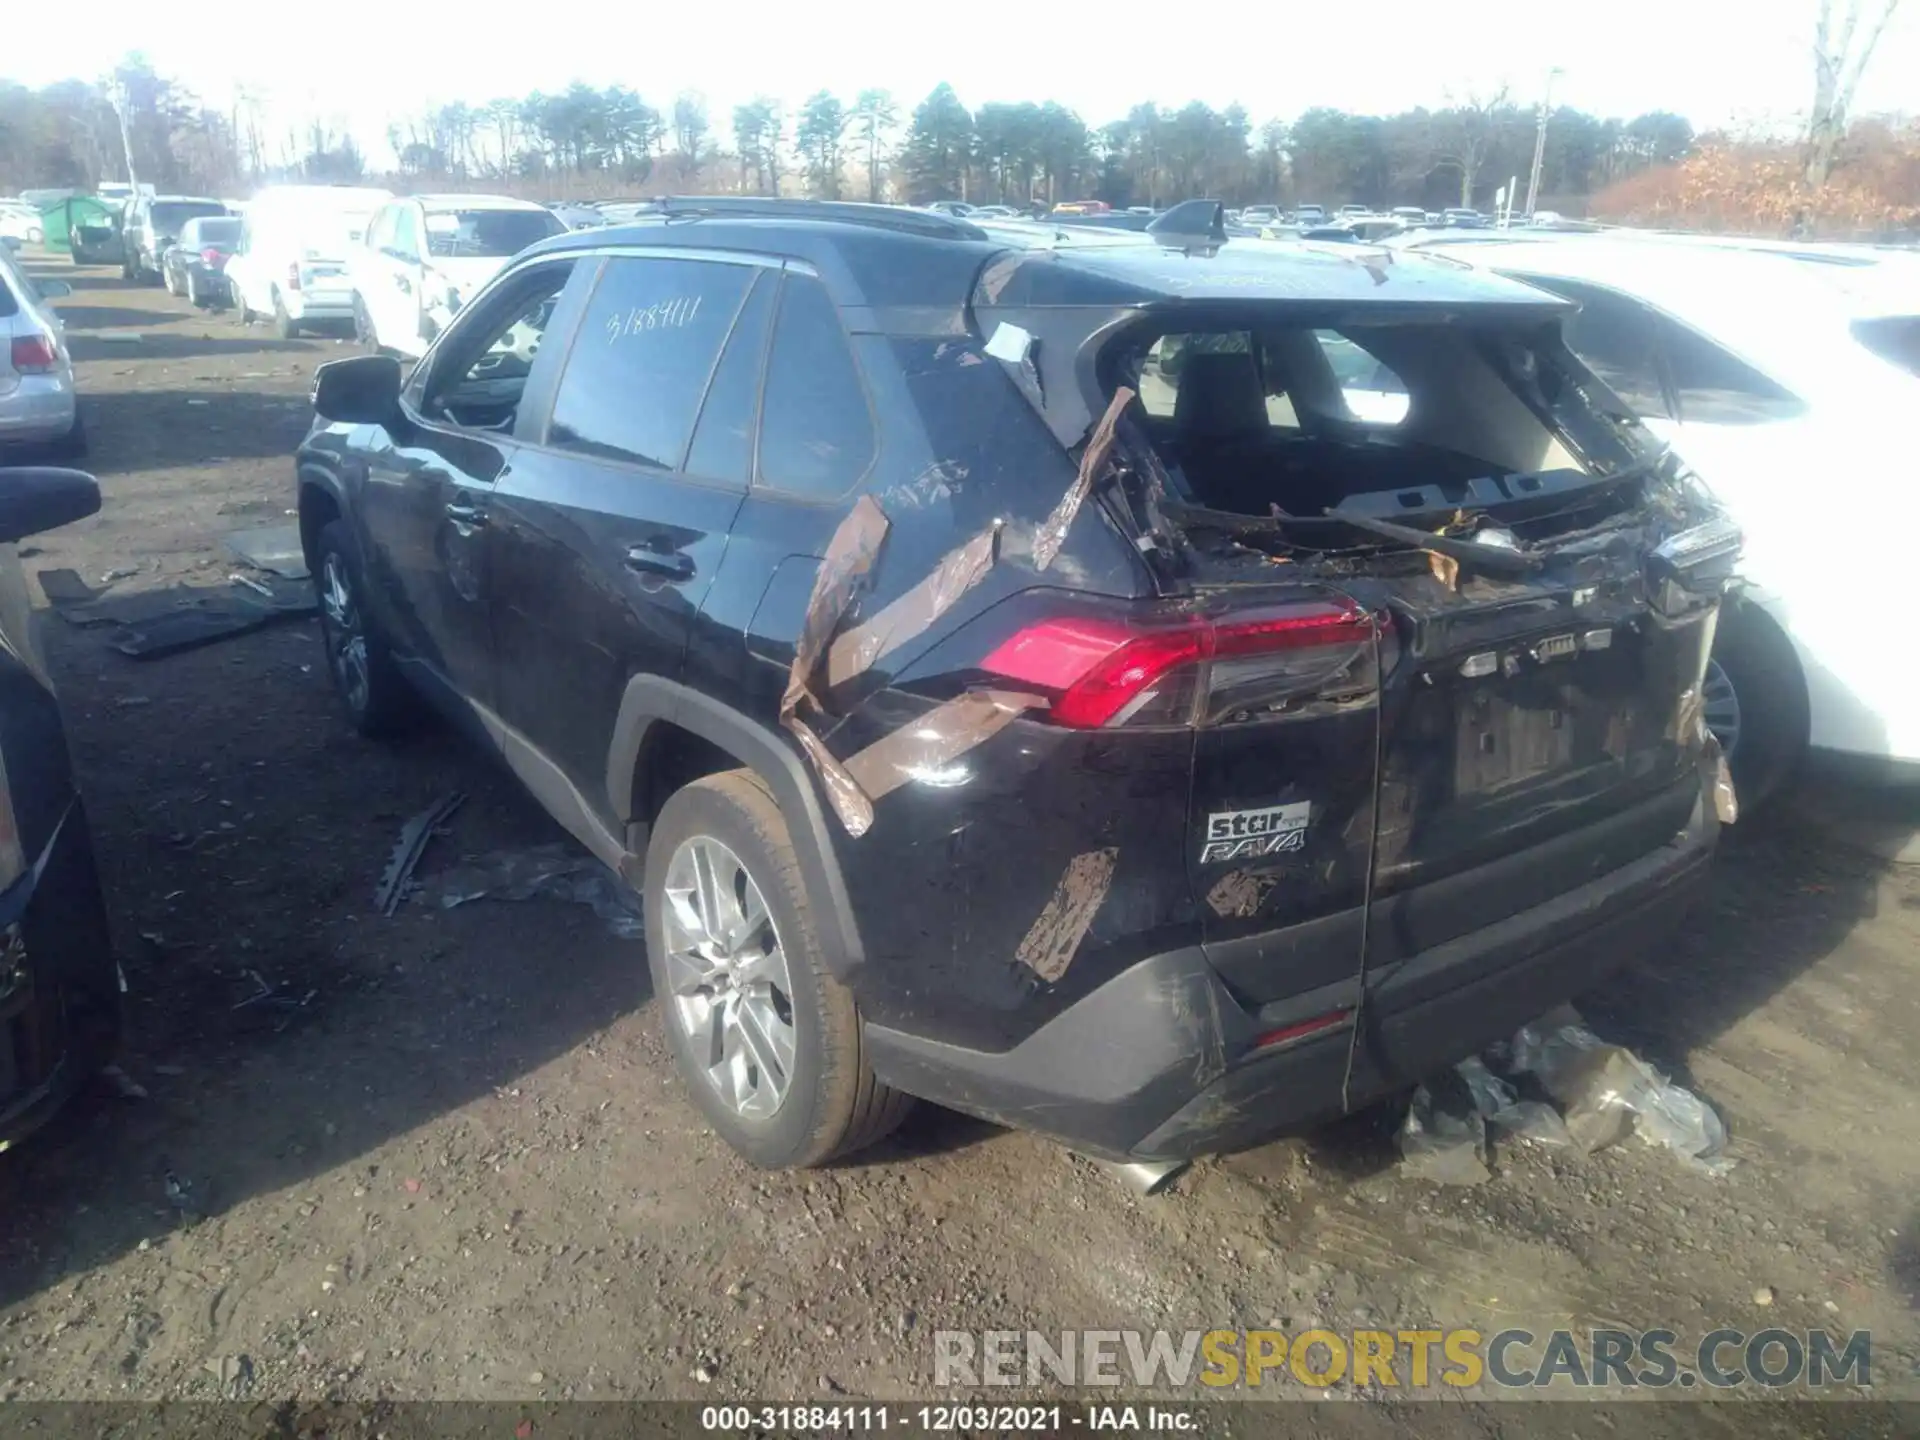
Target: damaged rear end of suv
x=1390, y=739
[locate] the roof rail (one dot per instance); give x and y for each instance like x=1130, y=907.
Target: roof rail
x=759, y=207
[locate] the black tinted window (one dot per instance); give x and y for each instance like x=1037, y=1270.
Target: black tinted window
x=1618, y=339
x=1895, y=339
x=640, y=362
x=816, y=434
x=469, y=233
x=723, y=440
x=170, y=215
x=213, y=232
x=1717, y=388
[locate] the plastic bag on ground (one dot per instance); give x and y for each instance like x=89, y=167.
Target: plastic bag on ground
x=1500, y=1105
x=1442, y=1142
x=1606, y=1090
x=547, y=872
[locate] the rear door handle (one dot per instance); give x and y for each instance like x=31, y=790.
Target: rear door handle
x=657, y=558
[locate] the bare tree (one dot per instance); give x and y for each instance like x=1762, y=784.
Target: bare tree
x=1840, y=54
x=1461, y=137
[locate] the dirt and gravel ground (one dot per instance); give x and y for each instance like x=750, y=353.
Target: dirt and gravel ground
x=463, y=1168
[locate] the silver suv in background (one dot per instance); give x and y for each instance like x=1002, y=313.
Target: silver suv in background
x=38, y=408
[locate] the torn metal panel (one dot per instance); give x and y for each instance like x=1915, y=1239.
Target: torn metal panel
x=1726, y=802
x=922, y=749
x=850, y=556
x=408, y=849
x=849, y=802
x=1055, y=938
x=1053, y=531
x=853, y=651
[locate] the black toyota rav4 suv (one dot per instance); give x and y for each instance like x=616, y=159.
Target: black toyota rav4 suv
x=1161, y=695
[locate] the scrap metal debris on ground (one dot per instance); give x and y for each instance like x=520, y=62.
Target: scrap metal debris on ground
x=544, y=872
x=408, y=849
x=273, y=548
x=154, y=623
x=1603, y=1091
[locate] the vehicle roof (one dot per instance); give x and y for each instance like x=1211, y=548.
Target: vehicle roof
x=181, y=200
x=475, y=202
x=886, y=256
x=353, y=194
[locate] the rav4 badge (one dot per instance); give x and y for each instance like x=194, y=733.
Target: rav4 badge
x=1238, y=834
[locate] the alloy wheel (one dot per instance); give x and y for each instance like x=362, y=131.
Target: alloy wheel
x=731, y=991
x=345, y=636
x=1721, y=708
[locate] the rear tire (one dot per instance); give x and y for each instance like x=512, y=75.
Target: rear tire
x=1755, y=661
x=359, y=661
x=831, y=1104
x=194, y=297
x=364, y=329
x=242, y=311
x=166, y=278
x=287, y=327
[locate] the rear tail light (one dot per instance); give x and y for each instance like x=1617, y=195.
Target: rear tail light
x=1286, y=1034
x=293, y=277
x=1194, y=670
x=34, y=354
x=210, y=256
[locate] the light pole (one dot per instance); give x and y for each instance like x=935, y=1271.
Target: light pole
x=118, y=93
x=1540, y=139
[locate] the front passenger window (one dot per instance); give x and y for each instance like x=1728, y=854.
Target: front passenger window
x=481, y=368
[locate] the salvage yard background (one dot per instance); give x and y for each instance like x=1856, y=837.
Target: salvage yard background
x=446, y=1154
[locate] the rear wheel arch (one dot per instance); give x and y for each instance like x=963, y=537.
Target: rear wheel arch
x=663, y=724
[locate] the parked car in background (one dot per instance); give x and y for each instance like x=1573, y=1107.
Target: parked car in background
x=1309, y=214
x=291, y=260
x=59, y=983
x=153, y=226
x=577, y=216
x=1409, y=214
x=426, y=255
x=948, y=207
x=1354, y=212
x=1464, y=219
x=1260, y=215
x=1072, y=818
x=21, y=221
x=1785, y=377
x=38, y=408
x=196, y=266
x=993, y=212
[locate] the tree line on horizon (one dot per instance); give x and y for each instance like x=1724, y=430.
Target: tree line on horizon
x=610, y=139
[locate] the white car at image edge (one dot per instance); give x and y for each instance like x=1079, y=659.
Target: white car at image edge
x=38, y=408
x=21, y=221
x=1785, y=377
x=425, y=256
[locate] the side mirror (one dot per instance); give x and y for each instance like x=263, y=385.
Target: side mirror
x=51, y=289
x=34, y=499
x=364, y=390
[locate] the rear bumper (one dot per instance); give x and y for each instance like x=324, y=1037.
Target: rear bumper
x=316, y=304
x=41, y=408
x=60, y=1018
x=1160, y=1063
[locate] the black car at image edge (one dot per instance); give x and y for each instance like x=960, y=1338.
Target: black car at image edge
x=59, y=983
x=1154, y=692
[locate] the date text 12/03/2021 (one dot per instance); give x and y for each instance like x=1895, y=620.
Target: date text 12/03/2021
x=945, y=1419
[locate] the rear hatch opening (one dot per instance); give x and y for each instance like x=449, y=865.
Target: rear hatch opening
x=1430, y=599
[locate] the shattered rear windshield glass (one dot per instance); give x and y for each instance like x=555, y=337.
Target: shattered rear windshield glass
x=488, y=233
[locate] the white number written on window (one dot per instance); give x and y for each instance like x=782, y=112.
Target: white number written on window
x=674, y=314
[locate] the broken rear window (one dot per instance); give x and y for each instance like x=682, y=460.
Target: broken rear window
x=1298, y=440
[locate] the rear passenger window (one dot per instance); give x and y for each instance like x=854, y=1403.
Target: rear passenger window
x=1615, y=338
x=642, y=357
x=723, y=440
x=816, y=432
x=1373, y=393
x=1714, y=387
